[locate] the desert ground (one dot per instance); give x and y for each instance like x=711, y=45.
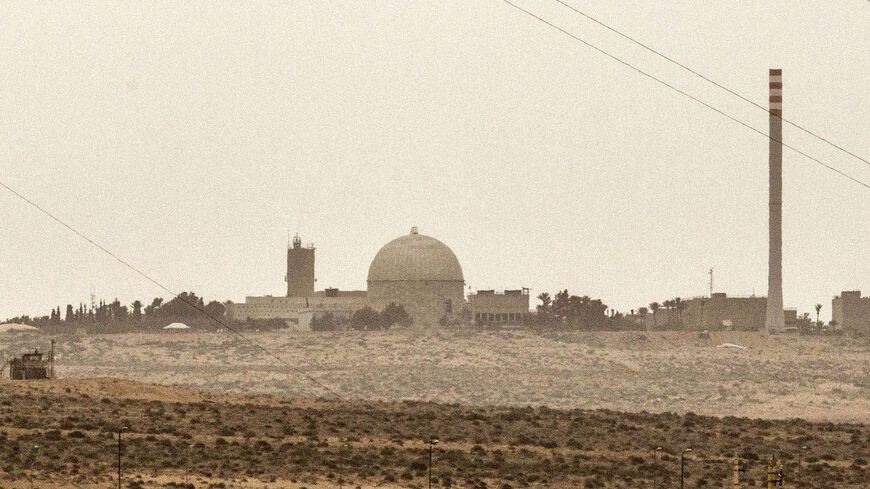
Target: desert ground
x=813, y=378
x=62, y=434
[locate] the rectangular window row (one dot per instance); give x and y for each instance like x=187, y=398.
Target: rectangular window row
x=498, y=317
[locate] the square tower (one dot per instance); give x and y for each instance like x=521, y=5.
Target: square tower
x=300, y=269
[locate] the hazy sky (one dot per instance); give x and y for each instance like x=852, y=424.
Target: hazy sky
x=190, y=138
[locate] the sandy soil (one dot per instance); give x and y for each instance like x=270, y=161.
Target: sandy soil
x=775, y=377
x=63, y=433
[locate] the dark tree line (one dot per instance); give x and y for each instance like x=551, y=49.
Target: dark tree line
x=579, y=312
x=186, y=306
x=392, y=315
x=670, y=307
x=365, y=319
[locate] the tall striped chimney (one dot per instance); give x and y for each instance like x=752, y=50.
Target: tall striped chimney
x=775, y=321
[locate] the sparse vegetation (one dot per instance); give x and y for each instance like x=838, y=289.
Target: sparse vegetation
x=370, y=443
x=810, y=377
x=370, y=319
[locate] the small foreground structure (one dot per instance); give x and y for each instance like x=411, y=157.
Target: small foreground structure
x=30, y=366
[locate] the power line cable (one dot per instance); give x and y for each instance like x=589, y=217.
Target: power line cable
x=709, y=80
x=686, y=94
x=168, y=290
x=550, y=24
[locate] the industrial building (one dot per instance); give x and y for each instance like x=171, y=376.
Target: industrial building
x=722, y=312
x=339, y=303
x=488, y=307
x=417, y=272
x=422, y=275
x=851, y=312
x=718, y=311
x=302, y=302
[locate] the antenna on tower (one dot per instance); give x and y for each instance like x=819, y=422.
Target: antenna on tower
x=711, y=281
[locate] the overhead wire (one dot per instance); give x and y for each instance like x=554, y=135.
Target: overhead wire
x=670, y=86
x=686, y=94
x=708, y=79
x=163, y=287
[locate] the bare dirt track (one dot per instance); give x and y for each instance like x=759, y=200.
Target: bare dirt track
x=61, y=434
x=814, y=378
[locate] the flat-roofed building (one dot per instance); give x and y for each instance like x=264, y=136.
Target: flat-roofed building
x=850, y=312
x=337, y=302
x=718, y=311
x=491, y=307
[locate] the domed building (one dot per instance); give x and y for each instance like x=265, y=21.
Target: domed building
x=419, y=273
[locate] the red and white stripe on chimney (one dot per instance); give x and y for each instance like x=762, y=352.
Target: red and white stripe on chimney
x=776, y=92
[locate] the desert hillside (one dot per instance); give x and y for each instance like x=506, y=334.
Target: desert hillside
x=815, y=378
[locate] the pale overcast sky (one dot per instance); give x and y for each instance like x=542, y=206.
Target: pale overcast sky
x=190, y=138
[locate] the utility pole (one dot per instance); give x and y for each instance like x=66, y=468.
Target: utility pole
x=683, y=465
x=737, y=471
x=431, y=443
x=340, y=469
x=800, y=471
x=775, y=478
x=658, y=456
x=32, y=457
x=120, y=430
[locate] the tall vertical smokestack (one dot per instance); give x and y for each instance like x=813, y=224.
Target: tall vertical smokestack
x=775, y=317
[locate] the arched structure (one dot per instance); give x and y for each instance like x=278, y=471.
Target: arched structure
x=422, y=275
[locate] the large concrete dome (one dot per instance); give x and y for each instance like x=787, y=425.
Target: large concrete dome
x=415, y=257
x=422, y=275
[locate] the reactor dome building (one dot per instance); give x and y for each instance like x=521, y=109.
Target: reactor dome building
x=422, y=275
x=414, y=271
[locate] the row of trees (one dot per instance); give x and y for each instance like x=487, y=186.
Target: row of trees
x=365, y=319
x=185, y=306
x=672, y=309
x=669, y=306
x=583, y=312
x=807, y=326
x=562, y=310
x=579, y=312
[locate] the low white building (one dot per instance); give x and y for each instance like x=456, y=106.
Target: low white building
x=299, y=309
